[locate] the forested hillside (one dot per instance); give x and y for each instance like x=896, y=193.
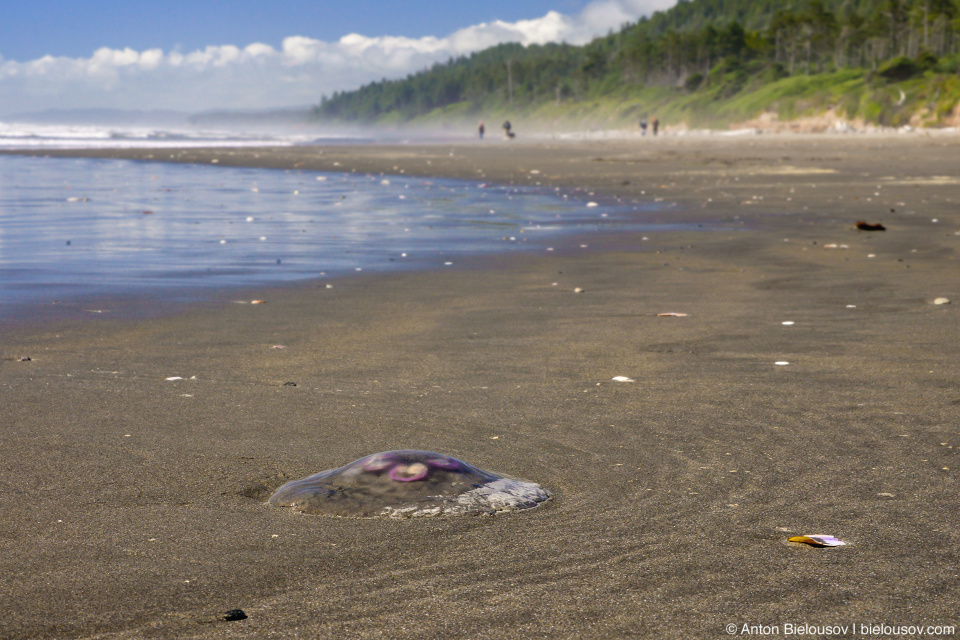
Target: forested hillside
x=705, y=62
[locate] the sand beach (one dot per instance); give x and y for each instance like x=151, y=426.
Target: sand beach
x=135, y=506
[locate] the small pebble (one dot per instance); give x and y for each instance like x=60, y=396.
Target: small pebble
x=233, y=614
x=578, y=290
x=941, y=301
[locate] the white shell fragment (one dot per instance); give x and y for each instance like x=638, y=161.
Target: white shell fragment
x=941, y=301
x=622, y=379
x=818, y=540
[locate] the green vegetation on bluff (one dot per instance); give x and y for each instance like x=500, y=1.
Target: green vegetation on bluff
x=703, y=62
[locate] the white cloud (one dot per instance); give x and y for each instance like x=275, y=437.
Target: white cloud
x=260, y=76
x=151, y=58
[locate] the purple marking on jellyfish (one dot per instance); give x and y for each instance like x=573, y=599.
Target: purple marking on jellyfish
x=444, y=462
x=379, y=462
x=418, y=484
x=409, y=472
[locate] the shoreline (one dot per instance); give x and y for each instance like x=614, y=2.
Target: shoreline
x=713, y=179
x=613, y=166
x=603, y=226
x=134, y=504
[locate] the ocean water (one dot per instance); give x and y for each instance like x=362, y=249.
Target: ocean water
x=80, y=228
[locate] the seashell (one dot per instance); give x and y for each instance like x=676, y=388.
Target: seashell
x=818, y=540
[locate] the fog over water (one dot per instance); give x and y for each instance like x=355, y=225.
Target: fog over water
x=89, y=133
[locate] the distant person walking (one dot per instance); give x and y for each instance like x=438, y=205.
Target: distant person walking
x=656, y=125
x=481, y=129
x=507, y=130
x=643, y=126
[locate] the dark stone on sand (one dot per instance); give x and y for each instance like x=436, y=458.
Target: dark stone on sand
x=289, y=384
x=227, y=616
x=867, y=226
x=233, y=614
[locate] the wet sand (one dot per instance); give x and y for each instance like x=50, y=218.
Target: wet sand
x=134, y=506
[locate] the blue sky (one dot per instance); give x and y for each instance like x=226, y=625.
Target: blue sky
x=75, y=28
x=208, y=54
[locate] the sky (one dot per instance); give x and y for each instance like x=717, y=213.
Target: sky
x=252, y=54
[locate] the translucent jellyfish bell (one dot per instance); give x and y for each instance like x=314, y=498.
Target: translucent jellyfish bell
x=407, y=484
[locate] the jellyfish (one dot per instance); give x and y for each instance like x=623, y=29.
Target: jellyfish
x=407, y=484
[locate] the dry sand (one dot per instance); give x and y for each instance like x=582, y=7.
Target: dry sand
x=133, y=506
